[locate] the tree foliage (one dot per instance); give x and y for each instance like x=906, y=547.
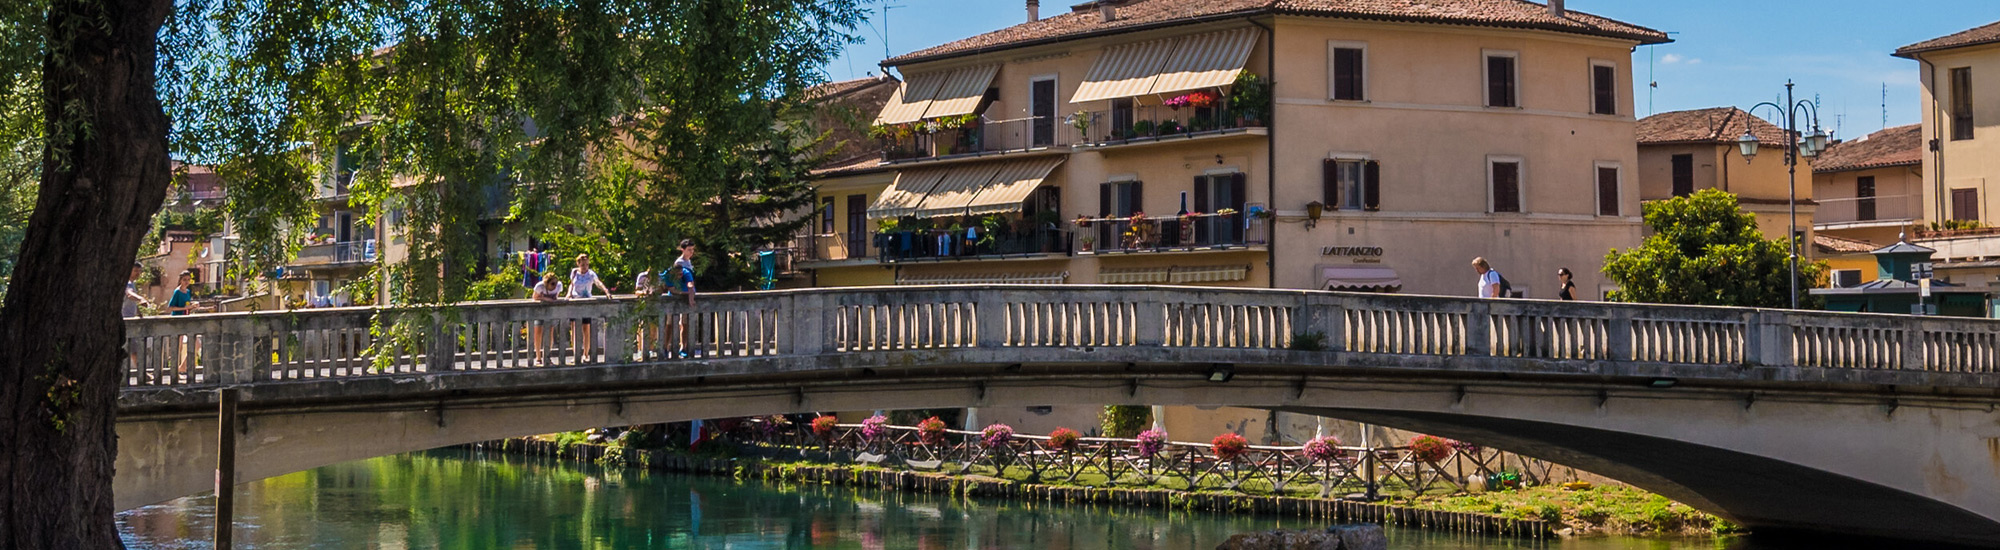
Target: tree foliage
x=1704, y=250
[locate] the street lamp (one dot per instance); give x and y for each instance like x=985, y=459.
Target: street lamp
x=1806, y=145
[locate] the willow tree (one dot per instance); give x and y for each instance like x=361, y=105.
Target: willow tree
x=445, y=98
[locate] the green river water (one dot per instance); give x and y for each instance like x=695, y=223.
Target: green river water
x=458, y=500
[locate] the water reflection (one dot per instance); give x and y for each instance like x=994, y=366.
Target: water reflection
x=453, y=500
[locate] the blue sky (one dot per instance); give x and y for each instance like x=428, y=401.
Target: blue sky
x=1723, y=53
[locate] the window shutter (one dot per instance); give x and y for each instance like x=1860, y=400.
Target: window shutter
x=1104, y=200
x=1238, y=183
x=1371, y=186
x=1201, y=194
x=1329, y=183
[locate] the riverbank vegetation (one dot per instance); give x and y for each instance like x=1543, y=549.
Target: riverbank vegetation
x=1584, y=509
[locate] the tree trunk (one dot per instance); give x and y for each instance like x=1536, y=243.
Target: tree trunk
x=104, y=175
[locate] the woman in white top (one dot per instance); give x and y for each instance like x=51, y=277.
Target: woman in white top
x=581, y=282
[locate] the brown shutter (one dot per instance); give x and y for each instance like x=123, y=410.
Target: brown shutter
x=1238, y=185
x=1371, y=186
x=1607, y=191
x=1329, y=183
x=1201, y=194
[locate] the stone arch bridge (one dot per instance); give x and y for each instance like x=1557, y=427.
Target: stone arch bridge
x=1780, y=420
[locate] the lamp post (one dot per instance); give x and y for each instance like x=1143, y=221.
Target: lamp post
x=1808, y=146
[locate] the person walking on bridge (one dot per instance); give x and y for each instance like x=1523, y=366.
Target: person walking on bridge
x=1491, y=283
x=132, y=297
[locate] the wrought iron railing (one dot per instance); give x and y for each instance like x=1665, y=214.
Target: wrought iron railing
x=1158, y=233
x=349, y=252
x=955, y=244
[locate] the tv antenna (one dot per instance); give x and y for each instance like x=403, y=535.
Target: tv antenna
x=1885, y=105
x=1652, y=84
x=885, y=29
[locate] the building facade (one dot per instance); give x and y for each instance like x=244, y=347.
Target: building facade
x=1317, y=145
x=1682, y=152
x=1960, y=152
x=1869, y=192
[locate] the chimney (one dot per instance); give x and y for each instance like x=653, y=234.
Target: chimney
x=1034, y=10
x=1556, y=8
x=1108, y=10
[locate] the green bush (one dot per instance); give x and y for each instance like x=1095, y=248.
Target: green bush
x=1125, y=420
x=505, y=285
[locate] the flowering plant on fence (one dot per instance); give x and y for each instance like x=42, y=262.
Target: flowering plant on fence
x=931, y=431
x=1228, y=446
x=1151, y=442
x=771, y=425
x=1063, y=439
x=1466, y=448
x=996, y=435
x=1430, y=448
x=874, y=427
x=823, y=426
x=1322, y=449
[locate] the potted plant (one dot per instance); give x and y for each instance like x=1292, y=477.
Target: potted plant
x=1430, y=448
x=1150, y=442
x=1228, y=446
x=1250, y=99
x=931, y=431
x=1063, y=439
x=1087, y=241
x=1081, y=121
x=1168, y=127
x=1143, y=128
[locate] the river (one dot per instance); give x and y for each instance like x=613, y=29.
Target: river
x=458, y=500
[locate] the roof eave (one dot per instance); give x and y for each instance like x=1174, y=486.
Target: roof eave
x=1642, y=39
x=1860, y=167
x=1911, y=52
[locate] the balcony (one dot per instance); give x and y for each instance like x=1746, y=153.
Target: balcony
x=337, y=254
x=972, y=137
x=975, y=136
x=938, y=245
x=1879, y=211
x=1146, y=124
x=1195, y=232
x=337, y=189
x=812, y=250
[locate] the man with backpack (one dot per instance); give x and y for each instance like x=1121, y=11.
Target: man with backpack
x=1491, y=283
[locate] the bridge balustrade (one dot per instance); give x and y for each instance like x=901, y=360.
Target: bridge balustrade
x=240, y=348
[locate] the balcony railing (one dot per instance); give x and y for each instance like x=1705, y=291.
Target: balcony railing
x=1166, y=233
x=1158, y=122
x=1870, y=209
x=832, y=247
x=350, y=252
x=946, y=244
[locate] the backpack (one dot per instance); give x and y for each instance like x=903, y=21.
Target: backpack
x=1506, y=288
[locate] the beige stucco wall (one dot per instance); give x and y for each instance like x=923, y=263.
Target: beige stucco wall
x=1656, y=168
x=1761, y=184
x=1973, y=163
x=1898, y=203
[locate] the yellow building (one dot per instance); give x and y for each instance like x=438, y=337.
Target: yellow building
x=1682, y=152
x=1961, y=164
x=1396, y=143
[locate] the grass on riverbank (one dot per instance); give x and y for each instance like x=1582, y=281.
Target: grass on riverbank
x=1609, y=510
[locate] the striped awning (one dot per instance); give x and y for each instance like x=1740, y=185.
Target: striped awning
x=1029, y=278
x=1125, y=70
x=961, y=91
x=905, y=195
x=1134, y=275
x=1208, y=60
x=908, y=103
x=1208, y=274
x=956, y=190
x=1364, y=278
x=1015, y=181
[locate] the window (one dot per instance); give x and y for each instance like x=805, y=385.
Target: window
x=1117, y=199
x=1961, y=103
x=1351, y=184
x=1683, y=175
x=1846, y=278
x=1214, y=192
x=857, y=225
x=1607, y=189
x=1864, y=198
x=1506, y=184
x=1965, y=204
x=1501, y=80
x=1604, y=89
x=826, y=215
x=1043, y=104
x=1348, y=71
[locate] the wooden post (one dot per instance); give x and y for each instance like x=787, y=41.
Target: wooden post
x=225, y=471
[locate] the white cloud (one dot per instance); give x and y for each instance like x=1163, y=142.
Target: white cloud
x=1695, y=61
x=1671, y=58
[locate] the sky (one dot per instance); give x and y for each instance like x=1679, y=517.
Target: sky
x=1725, y=52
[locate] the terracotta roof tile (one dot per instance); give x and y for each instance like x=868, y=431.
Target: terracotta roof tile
x=1713, y=125
x=1134, y=15
x=1829, y=244
x=1987, y=34
x=1899, y=146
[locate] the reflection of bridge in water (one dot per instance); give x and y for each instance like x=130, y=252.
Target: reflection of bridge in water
x=1779, y=420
